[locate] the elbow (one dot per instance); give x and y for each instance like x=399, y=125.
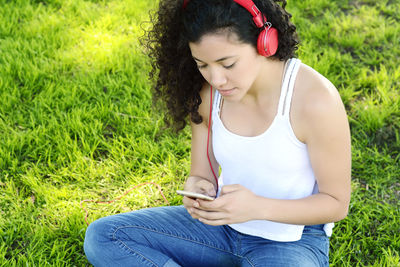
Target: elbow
x=343, y=214
x=340, y=207
x=343, y=211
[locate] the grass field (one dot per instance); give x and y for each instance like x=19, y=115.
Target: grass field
x=76, y=122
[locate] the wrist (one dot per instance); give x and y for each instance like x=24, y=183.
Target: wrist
x=262, y=208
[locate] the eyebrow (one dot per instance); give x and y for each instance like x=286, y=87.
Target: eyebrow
x=218, y=60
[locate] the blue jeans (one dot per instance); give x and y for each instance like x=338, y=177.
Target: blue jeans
x=169, y=236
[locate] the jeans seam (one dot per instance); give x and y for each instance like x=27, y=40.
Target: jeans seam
x=239, y=239
x=174, y=236
x=120, y=242
x=135, y=252
x=249, y=261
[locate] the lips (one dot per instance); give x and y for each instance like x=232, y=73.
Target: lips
x=226, y=92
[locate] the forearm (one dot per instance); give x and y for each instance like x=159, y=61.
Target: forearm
x=316, y=209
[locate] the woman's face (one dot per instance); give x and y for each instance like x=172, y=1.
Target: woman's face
x=228, y=65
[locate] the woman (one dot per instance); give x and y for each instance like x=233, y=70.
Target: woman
x=275, y=127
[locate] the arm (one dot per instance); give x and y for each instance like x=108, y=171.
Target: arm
x=201, y=178
x=327, y=136
x=325, y=129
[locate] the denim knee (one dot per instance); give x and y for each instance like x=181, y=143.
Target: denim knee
x=95, y=238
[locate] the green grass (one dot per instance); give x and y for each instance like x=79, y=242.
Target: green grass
x=76, y=122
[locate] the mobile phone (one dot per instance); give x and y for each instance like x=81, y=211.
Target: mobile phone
x=194, y=195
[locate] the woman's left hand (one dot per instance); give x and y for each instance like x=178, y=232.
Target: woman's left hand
x=236, y=204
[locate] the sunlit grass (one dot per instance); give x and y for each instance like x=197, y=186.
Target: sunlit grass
x=76, y=122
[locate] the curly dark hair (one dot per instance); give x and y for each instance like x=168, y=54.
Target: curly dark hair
x=177, y=80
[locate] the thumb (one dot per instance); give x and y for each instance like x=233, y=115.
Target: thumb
x=226, y=189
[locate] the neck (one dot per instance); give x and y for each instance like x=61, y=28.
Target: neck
x=269, y=80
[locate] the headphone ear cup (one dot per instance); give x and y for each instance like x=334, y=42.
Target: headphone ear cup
x=267, y=42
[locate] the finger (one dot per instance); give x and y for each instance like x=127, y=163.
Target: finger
x=192, y=212
x=213, y=222
x=208, y=215
x=212, y=205
x=189, y=202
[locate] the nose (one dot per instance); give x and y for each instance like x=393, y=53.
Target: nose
x=217, y=78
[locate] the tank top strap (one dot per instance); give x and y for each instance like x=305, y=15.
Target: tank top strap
x=285, y=99
x=217, y=101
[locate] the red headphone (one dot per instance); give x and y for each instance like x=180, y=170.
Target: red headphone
x=267, y=42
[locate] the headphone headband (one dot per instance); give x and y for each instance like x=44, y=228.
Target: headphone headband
x=267, y=42
x=258, y=18
x=249, y=5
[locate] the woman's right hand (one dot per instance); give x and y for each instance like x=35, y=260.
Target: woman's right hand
x=197, y=185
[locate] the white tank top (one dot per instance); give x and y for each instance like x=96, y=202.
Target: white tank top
x=274, y=164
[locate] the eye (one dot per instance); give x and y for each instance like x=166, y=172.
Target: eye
x=201, y=67
x=230, y=66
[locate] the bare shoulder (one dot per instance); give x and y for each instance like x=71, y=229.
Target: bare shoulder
x=316, y=92
x=316, y=101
